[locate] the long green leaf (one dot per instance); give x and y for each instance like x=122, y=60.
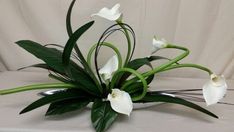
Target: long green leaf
x=76, y=36
x=68, y=19
x=51, y=56
x=102, y=115
x=72, y=42
x=62, y=95
x=71, y=35
x=40, y=65
x=53, y=59
x=88, y=81
x=168, y=99
x=68, y=105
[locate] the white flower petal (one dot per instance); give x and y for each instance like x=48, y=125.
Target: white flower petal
x=120, y=101
x=215, y=89
x=109, y=68
x=110, y=14
x=158, y=44
x=115, y=8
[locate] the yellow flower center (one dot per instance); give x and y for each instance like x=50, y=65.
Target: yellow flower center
x=113, y=95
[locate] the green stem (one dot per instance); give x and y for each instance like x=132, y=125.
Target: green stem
x=83, y=61
x=108, y=45
x=165, y=65
x=137, y=74
x=36, y=87
x=128, y=40
x=187, y=65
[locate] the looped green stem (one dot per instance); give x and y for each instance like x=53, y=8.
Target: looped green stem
x=165, y=65
x=108, y=45
x=137, y=74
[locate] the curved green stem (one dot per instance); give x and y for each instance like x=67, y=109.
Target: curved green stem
x=108, y=45
x=137, y=74
x=128, y=40
x=37, y=87
x=187, y=65
x=165, y=65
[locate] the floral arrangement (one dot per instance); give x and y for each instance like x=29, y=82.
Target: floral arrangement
x=114, y=88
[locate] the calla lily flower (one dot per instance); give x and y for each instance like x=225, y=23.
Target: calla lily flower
x=112, y=14
x=120, y=101
x=215, y=89
x=158, y=44
x=109, y=68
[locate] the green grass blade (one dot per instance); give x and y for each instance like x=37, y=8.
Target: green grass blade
x=37, y=87
x=40, y=65
x=72, y=42
x=168, y=99
x=68, y=19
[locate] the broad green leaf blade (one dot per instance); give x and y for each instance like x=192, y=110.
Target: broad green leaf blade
x=102, y=115
x=85, y=82
x=72, y=42
x=65, y=106
x=168, y=99
x=53, y=58
x=63, y=95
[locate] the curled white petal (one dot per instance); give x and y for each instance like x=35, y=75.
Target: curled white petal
x=158, y=44
x=215, y=89
x=120, y=101
x=111, y=14
x=109, y=68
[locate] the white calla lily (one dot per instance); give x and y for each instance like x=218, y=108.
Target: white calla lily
x=112, y=14
x=120, y=101
x=109, y=68
x=158, y=44
x=215, y=89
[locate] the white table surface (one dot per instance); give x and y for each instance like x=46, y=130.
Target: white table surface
x=159, y=118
